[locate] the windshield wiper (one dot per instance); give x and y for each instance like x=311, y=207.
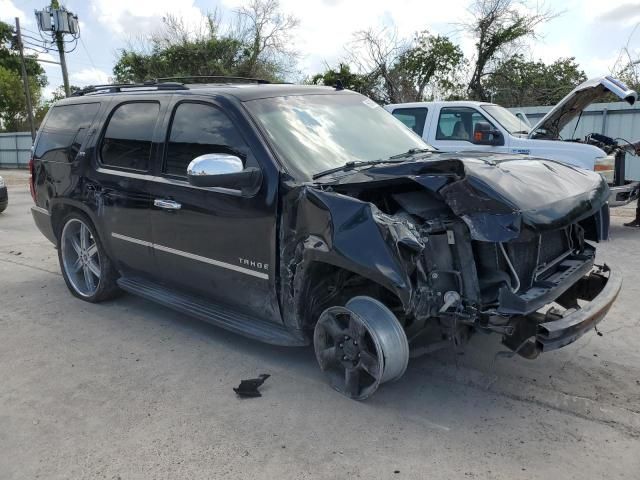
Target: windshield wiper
x=350, y=166
x=410, y=152
x=526, y=132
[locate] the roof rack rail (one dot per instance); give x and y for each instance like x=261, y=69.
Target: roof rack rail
x=120, y=87
x=216, y=78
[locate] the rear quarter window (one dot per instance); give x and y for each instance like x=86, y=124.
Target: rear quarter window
x=414, y=118
x=64, y=131
x=128, y=138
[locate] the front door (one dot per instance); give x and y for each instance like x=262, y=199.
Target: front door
x=215, y=242
x=455, y=128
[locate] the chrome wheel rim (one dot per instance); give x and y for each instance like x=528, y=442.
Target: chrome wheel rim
x=360, y=346
x=80, y=257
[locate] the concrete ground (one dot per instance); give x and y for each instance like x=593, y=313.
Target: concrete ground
x=131, y=390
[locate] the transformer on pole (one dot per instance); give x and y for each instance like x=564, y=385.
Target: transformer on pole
x=57, y=22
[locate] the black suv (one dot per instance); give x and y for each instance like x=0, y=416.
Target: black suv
x=304, y=214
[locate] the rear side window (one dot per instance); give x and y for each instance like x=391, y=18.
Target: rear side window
x=127, y=140
x=198, y=129
x=65, y=130
x=413, y=118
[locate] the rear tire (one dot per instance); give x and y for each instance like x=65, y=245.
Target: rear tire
x=85, y=265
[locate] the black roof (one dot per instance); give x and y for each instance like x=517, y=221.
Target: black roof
x=241, y=91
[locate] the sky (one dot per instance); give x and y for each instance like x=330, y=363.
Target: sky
x=592, y=31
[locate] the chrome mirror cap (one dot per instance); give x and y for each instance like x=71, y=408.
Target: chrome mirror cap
x=214, y=164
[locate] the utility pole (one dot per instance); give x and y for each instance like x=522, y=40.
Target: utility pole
x=25, y=80
x=59, y=36
x=58, y=22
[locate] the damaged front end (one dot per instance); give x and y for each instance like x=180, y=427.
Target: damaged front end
x=453, y=245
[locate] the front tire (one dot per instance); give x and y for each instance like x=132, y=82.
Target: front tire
x=360, y=346
x=86, y=268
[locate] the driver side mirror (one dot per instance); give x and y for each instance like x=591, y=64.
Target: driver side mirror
x=485, y=134
x=223, y=170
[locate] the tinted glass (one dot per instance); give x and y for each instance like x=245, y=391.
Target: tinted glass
x=313, y=133
x=61, y=137
x=458, y=123
x=127, y=141
x=198, y=129
x=413, y=118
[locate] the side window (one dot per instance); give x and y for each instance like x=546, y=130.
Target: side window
x=413, y=118
x=127, y=140
x=197, y=129
x=458, y=123
x=64, y=132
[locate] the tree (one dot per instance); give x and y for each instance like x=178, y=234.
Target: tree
x=265, y=33
x=432, y=61
x=498, y=25
x=375, y=53
x=256, y=46
x=352, y=81
x=393, y=70
x=518, y=82
x=13, y=105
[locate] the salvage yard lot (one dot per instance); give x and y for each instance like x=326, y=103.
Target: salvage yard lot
x=129, y=389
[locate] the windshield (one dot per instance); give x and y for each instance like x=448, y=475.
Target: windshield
x=507, y=119
x=314, y=133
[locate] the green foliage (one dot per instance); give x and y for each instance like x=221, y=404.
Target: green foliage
x=210, y=56
x=256, y=46
x=432, y=61
x=352, y=81
x=13, y=109
x=498, y=25
x=518, y=82
x=429, y=66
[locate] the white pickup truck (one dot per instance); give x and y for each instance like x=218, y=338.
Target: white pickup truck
x=479, y=126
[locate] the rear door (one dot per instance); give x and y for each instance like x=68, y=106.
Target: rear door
x=119, y=187
x=413, y=117
x=215, y=242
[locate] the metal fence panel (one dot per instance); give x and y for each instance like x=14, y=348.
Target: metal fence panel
x=15, y=149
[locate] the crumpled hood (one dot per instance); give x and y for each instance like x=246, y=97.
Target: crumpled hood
x=575, y=102
x=495, y=194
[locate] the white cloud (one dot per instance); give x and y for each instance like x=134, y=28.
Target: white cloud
x=8, y=13
x=89, y=76
x=327, y=26
x=133, y=17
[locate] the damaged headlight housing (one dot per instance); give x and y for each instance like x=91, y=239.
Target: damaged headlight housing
x=605, y=166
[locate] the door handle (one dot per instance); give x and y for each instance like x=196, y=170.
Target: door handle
x=166, y=204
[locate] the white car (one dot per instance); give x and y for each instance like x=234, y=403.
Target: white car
x=481, y=126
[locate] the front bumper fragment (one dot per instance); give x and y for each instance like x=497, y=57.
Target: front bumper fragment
x=601, y=291
x=539, y=332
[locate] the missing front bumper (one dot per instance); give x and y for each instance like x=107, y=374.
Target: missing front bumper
x=537, y=332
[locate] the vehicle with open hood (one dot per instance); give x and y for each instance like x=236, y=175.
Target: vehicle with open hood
x=300, y=215
x=487, y=127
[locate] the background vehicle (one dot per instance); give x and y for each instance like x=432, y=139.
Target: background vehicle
x=303, y=214
x=4, y=197
x=487, y=127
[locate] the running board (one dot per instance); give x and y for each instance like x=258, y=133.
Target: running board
x=215, y=314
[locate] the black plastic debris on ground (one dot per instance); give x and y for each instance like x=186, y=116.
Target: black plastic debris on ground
x=249, y=388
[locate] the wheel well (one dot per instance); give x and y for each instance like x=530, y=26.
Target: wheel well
x=327, y=285
x=60, y=211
